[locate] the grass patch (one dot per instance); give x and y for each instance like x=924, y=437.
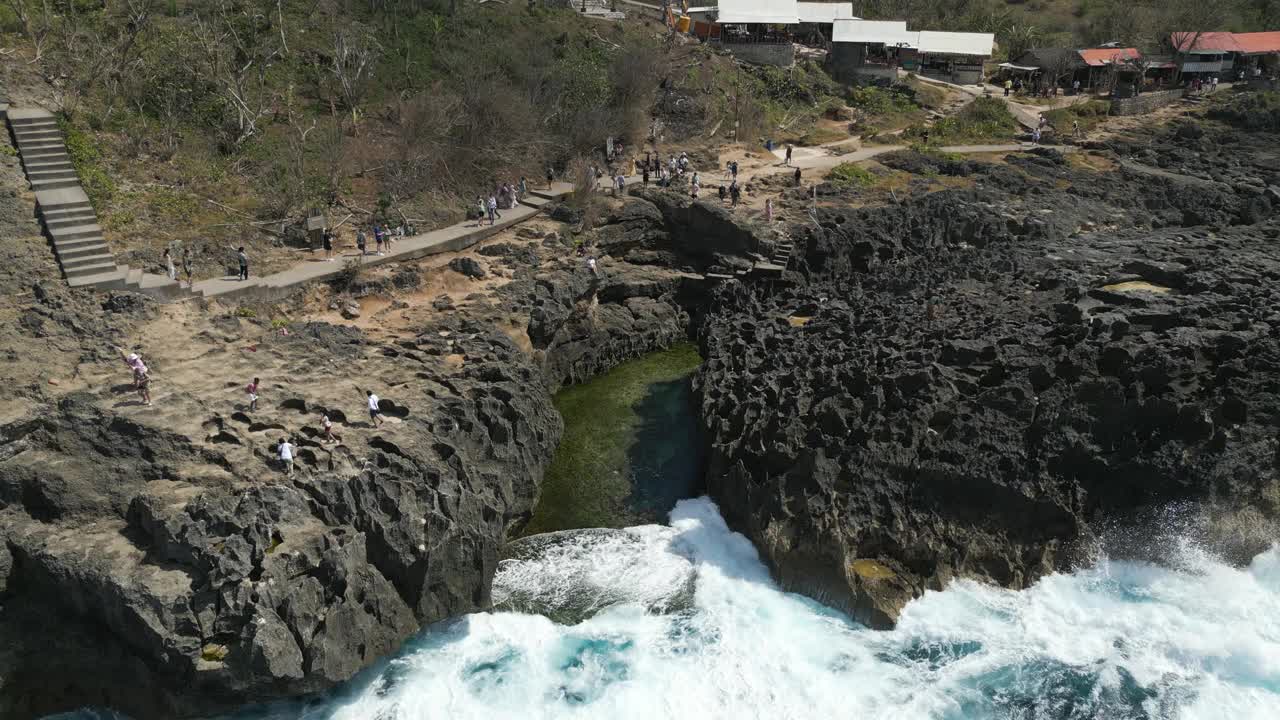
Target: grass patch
x=587, y=482
x=885, y=109
x=850, y=175
x=86, y=158
x=822, y=135
x=983, y=120
x=1089, y=114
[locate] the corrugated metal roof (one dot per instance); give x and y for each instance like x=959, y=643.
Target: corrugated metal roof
x=1101, y=57
x=771, y=12
x=824, y=12
x=956, y=43
x=886, y=32
x=1207, y=42
x=1258, y=42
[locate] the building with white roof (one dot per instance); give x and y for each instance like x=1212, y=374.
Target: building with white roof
x=875, y=49
x=825, y=13
x=758, y=31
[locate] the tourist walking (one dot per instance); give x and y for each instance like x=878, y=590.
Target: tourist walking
x=377, y=238
x=326, y=427
x=243, y=259
x=286, y=455
x=1075, y=87
x=141, y=375
x=375, y=412
x=1035, y=136
x=186, y=266
x=328, y=245
x=168, y=265
x=524, y=189
x=494, y=215
x=723, y=191
x=550, y=177
x=362, y=241
x=644, y=175
x=735, y=194
x=591, y=266
x=1008, y=86
x=797, y=177
x=251, y=390
x=788, y=160
x=768, y=210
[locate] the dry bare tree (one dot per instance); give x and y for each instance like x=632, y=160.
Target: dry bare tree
x=238, y=51
x=36, y=19
x=355, y=52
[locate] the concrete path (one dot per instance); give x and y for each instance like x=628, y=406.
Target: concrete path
x=448, y=239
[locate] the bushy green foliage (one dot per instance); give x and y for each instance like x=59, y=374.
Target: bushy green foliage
x=1088, y=114
x=983, y=120
x=882, y=101
x=87, y=160
x=849, y=175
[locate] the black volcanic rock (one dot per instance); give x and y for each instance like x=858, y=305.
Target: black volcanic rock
x=973, y=385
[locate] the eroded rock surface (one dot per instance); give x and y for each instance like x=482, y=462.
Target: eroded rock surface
x=972, y=382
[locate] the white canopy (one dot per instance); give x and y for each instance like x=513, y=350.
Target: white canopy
x=956, y=43
x=893, y=33
x=768, y=12
x=824, y=12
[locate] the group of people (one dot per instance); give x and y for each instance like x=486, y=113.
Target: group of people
x=504, y=197
x=285, y=449
x=383, y=237
x=1198, y=85
x=172, y=271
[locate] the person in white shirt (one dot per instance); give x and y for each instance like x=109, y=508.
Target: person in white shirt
x=375, y=413
x=286, y=455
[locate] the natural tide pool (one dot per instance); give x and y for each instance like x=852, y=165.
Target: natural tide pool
x=630, y=449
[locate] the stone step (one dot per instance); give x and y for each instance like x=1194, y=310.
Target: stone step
x=83, y=272
x=53, y=162
x=37, y=134
x=52, y=174
x=30, y=119
x=134, y=277
x=81, y=260
x=38, y=144
x=55, y=151
x=533, y=201
x=34, y=123
x=74, y=244
x=77, y=231
x=54, y=184
x=83, y=217
x=57, y=210
x=97, y=248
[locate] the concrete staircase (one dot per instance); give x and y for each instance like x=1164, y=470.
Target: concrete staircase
x=69, y=219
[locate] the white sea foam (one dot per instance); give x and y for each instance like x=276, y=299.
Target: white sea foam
x=1120, y=640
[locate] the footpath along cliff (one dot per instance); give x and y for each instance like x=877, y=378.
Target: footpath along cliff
x=981, y=381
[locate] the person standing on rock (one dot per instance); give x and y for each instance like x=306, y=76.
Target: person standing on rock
x=243, y=259
x=768, y=210
x=186, y=266
x=788, y=160
x=326, y=426
x=591, y=265
x=286, y=455
x=170, y=270
x=375, y=412
x=550, y=177
x=797, y=177
x=735, y=194
x=327, y=239
x=251, y=390
x=644, y=174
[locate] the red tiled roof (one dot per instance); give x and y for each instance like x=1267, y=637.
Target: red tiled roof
x=1098, y=57
x=1258, y=42
x=1206, y=41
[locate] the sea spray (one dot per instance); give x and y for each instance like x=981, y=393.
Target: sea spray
x=1118, y=640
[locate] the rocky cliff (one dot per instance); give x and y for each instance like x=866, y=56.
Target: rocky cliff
x=973, y=382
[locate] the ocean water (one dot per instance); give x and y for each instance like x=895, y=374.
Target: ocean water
x=683, y=621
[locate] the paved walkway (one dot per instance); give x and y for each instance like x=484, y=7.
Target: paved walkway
x=448, y=239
